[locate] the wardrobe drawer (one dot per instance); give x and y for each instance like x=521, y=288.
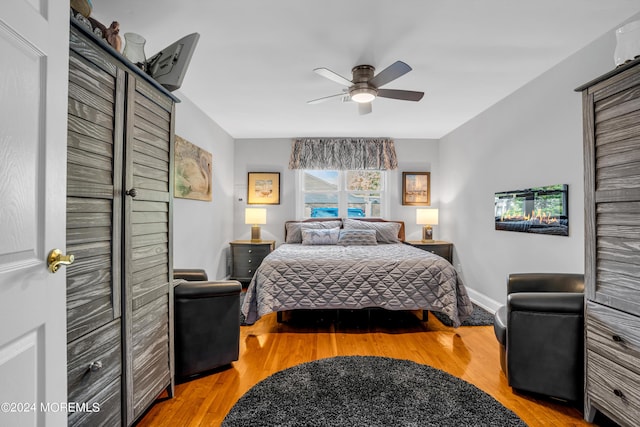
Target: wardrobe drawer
x=93, y=362
x=614, y=335
x=613, y=388
x=103, y=408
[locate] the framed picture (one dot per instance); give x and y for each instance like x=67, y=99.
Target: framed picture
x=192, y=171
x=263, y=188
x=416, y=188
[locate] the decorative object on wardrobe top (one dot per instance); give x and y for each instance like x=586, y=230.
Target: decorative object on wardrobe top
x=169, y=66
x=84, y=7
x=343, y=154
x=364, y=87
x=627, y=43
x=81, y=11
x=134, y=49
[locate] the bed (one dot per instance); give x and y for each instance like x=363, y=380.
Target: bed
x=385, y=273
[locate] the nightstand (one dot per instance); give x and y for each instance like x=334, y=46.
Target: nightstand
x=438, y=247
x=246, y=257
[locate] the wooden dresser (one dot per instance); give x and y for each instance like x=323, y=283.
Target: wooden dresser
x=119, y=223
x=611, y=111
x=246, y=257
x=438, y=247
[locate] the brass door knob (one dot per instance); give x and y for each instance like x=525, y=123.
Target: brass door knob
x=133, y=192
x=56, y=259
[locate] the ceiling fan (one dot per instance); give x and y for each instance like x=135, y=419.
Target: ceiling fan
x=365, y=87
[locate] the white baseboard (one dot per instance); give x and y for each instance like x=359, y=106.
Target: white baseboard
x=483, y=301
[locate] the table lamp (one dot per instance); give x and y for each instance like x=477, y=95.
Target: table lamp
x=255, y=216
x=428, y=217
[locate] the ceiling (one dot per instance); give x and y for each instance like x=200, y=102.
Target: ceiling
x=252, y=71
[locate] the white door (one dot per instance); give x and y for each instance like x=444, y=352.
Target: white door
x=34, y=50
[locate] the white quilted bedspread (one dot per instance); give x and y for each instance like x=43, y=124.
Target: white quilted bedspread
x=391, y=276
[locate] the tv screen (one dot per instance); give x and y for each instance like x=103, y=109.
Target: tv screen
x=169, y=66
x=541, y=210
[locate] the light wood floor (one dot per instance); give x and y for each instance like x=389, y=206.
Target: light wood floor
x=470, y=353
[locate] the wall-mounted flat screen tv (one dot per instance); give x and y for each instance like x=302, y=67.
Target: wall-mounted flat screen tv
x=169, y=66
x=540, y=210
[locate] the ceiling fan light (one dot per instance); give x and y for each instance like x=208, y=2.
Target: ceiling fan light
x=362, y=95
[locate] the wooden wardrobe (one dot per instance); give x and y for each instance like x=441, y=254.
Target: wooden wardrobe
x=611, y=110
x=119, y=225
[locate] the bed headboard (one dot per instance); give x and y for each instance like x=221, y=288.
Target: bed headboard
x=400, y=231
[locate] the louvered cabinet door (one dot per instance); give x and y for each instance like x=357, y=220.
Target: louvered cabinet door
x=612, y=191
x=147, y=237
x=611, y=110
x=94, y=213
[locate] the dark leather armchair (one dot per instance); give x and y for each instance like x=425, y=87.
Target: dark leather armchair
x=207, y=322
x=541, y=333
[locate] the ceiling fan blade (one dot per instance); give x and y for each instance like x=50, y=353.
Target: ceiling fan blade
x=326, y=98
x=392, y=72
x=364, y=108
x=404, y=95
x=325, y=72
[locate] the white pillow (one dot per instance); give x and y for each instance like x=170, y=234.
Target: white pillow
x=321, y=236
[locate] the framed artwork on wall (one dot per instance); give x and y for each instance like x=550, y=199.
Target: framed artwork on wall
x=192, y=171
x=416, y=188
x=263, y=188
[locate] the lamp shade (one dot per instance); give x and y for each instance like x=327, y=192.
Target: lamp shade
x=255, y=216
x=427, y=216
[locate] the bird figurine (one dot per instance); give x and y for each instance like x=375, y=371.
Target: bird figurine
x=112, y=35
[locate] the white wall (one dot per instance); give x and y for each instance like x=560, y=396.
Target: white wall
x=202, y=230
x=263, y=155
x=415, y=155
x=272, y=155
x=531, y=138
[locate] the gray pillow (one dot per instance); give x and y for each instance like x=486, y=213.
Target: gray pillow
x=294, y=229
x=386, y=232
x=357, y=238
x=320, y=236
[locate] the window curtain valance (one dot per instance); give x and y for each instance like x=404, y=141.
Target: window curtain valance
x=343, y=154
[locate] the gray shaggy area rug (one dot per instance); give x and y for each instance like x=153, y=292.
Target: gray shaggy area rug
x=367, y=391
x=479, y=317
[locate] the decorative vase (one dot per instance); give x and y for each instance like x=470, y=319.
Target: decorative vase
x=627, y=43
x=134, y=49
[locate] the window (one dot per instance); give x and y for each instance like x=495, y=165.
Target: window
x=340, y=194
